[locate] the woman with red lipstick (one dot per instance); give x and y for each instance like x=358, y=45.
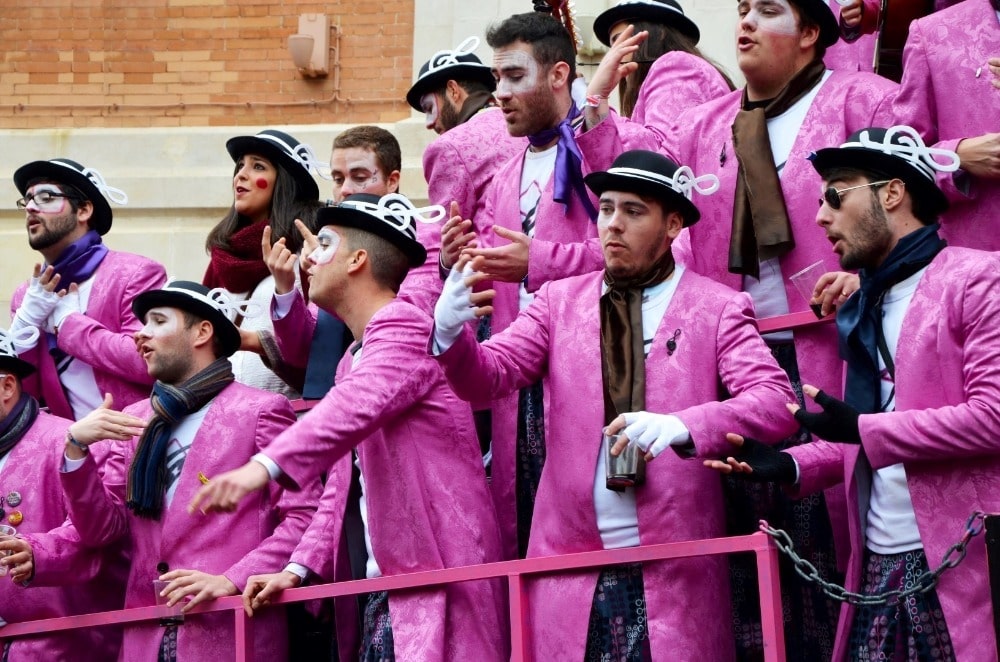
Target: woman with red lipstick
x=272, y=186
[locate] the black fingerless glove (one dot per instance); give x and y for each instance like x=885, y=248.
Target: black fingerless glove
x=838, y=422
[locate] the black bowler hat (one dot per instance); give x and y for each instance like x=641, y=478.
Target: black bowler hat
x=9, y=347
x=392, y=217
x=667, y=12
x=284, y=151
x=458, y=64
x=820, y=12
x=896, y=153
x=653, y=175
x=195, y=298
x=87, y=180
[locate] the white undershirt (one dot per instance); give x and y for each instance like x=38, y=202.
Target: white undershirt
x=768, y=293
x=535, y=174
x=371, y=568
x=617, y=519
x=892, y=524
x=78, y=379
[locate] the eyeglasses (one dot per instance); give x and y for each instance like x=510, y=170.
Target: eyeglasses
x=48, y=200
x=832, y=196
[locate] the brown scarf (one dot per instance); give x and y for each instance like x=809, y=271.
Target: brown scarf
x=475, y=102
x=761, y=229
x=623, y=361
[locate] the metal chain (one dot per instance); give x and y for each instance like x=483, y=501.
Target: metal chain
x=925, y=582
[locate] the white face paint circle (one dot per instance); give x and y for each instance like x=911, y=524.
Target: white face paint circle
x=516, y=72
x=328, y=241
x=429, y=104
x=774, y=16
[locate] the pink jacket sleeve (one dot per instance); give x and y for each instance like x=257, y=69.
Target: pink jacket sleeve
x=448, y=178
x=96, y=507
x=759, y=389
x=293, y=333
x=93, y=343
x=319, y=544
x=60, y=557
x=821, y=466
x=552, y=260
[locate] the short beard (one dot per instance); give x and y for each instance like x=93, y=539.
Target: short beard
x=58, y=229
x=872, y=240
x=449, y=115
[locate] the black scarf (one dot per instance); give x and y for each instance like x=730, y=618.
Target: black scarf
x=475, y=102
x=147, y=477
x=858, y=319
x=17, y=423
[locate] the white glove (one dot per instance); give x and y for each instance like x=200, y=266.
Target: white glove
x=67, y=305
x=453, y=310
x=654, y=432
x=37, y=305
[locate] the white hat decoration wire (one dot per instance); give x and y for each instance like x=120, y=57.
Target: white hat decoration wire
x=13, y=343
x=912, y=149
x=396, y=210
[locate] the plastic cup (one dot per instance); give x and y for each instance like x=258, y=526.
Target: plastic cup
x=6, y=532
x=805, y=282
x=621, y=469
x=172, y=615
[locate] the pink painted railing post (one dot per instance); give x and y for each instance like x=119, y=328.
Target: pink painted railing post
x=770, y=600
x=244, y=636
x=519, y=644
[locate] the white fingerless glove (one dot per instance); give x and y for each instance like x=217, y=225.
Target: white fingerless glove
x=37, y=305
x=68, y=304
x=655, y=432
x=453, y=310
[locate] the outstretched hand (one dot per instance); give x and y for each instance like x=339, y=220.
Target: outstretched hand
x=838, y=422
x=225, y=491
x=756, y=461
x=613, y=67
x=106, y=423
x=508, y=263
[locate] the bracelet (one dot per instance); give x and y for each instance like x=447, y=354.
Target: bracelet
x=84, y=448
x=594, y=100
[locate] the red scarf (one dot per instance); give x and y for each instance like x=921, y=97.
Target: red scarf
x=242, y=267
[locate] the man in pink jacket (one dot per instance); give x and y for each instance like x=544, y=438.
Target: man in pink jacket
x=424, y=501
x=80, y=299
x=534, y=227
x=915, y=440
x=31, y=501
x=950, y=93
x=642, y=348
x=199, y=423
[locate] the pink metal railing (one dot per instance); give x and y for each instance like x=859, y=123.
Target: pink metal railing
x=515, y=572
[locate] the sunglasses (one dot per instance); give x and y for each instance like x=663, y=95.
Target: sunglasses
x=832, y=196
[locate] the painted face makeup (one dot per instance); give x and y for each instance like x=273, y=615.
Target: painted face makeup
x=429, y=104
x=774, y=16
x=516, y=72
x=356, y=170
x=262, y=184
x=328, y=241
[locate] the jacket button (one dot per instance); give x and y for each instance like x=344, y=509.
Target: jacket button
x=162, y=567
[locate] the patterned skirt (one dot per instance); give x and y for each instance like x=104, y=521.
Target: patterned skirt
x=376, y=635
x=913, y=629
x=810, y=618
x=530, y=458
x=617, y=631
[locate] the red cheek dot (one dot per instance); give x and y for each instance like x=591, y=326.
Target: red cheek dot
x=262, y=183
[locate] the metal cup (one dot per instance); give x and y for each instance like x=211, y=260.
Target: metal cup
x=620, y=470
x=6, y=531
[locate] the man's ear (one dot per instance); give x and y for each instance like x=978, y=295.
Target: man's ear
x=675, y=223
x=455, y=94
x=392, y=181
x=357, y=260
x=203, y=333
x=894, y=192
x=559, y=76
x=85, y=212
x=809, y=37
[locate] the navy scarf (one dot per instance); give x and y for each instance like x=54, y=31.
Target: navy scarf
x=569, y=162
x=147, y=476
x=17, y=422
x=859, y=317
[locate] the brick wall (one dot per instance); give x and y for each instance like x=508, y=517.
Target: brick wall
x=135, y=63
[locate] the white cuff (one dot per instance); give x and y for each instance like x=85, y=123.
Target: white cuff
x=273, y=470
x=281, y=304
x=71, y=465
x=298, y=570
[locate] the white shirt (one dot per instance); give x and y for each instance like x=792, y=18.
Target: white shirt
x=892, y=525
x=78, y=379
x=535, y=174
x=768, y=293
x=617, y=519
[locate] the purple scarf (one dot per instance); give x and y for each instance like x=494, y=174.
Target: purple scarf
x=569, y=162
x=80, y=259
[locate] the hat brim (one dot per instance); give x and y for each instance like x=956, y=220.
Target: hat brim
x=437, y=79
x=305, y=185
x=15, y=366
x=599, y=182
x=641, y=12
x=859, y=158
x=225, y=330
x=355, y=218
x=64, y=174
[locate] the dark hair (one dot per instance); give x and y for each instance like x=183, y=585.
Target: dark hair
x=471, y=86
x=388, y=263
x=921, y=209
x=284, y=210
x=190, y=319
x=807, y=21
x=388, y=155
x=550, y=42
x=662, y=39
